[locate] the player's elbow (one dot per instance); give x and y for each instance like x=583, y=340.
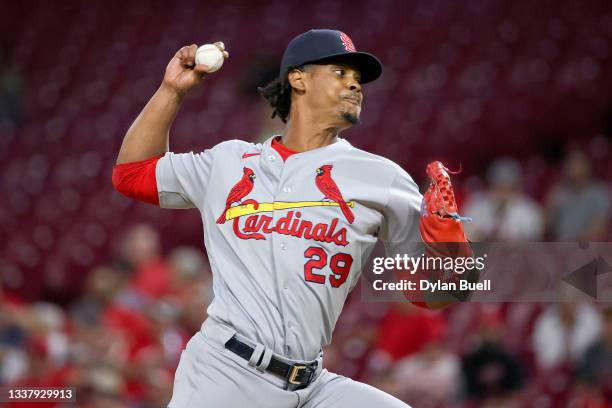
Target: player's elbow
x=137, y=180
x=124, y=182
x=117, y=180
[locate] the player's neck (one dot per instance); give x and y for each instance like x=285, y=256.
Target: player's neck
x=302, y=134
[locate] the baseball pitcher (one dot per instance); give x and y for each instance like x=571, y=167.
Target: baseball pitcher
x=288, y=225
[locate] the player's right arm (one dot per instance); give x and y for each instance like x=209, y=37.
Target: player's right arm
x=148, y=135
x=174, y=180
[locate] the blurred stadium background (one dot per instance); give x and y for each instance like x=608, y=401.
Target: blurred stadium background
x=102, y=293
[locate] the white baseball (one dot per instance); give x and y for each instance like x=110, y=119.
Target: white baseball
x=209, y=55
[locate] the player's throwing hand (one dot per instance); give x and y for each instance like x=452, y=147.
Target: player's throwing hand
x=182, y=73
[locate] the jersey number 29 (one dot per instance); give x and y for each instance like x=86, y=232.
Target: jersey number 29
x=340, y=265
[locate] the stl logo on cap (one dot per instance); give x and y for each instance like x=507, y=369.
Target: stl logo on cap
x=347, y=42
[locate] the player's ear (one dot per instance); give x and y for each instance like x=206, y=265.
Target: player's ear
x=297, y=80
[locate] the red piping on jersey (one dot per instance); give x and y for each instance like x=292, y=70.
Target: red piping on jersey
x=137, y=180
x=283, y=150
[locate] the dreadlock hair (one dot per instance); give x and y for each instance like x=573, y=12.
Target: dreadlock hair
x=278, y=95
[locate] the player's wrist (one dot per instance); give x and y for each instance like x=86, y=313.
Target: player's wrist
x=171, y=93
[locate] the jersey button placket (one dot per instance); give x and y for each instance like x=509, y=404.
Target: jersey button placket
x=279, y=246
x=286, y=263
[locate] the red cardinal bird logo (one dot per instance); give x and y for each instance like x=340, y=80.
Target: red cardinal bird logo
x=347, y=42
x=240, y=190
x=330, y=190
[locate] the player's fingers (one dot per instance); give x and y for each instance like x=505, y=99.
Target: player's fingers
x=201, y=69
x=220, y=46
x=225, y=54
x=191, y=53
x=180, y=54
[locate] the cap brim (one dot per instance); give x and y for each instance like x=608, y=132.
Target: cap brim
x=367, y=64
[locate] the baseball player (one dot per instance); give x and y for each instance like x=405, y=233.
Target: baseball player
x=288, y=225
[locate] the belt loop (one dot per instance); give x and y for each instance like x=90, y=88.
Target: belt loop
x=265, y=361
x=260, y=348
x=319, y=366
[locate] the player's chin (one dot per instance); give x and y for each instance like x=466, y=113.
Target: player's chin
x=351, y=116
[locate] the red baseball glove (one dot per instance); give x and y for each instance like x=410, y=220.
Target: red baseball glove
x=440, y=219
x=442, y=232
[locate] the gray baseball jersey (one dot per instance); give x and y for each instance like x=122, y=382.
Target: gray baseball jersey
x=287, y=240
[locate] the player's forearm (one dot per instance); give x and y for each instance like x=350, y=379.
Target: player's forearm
x=148, y=135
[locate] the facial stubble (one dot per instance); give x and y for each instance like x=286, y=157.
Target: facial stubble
x=351, y=118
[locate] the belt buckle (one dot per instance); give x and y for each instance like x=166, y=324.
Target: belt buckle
x=294, y=373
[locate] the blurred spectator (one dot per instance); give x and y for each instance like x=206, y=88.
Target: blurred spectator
x=35, y=344
x=101, y=286
x=578, y=206
x=491, y=373
x=428, y=377
x=504, y=212
x=13, y=360
x=405, y=330
x=49, y=325
x=563, y=332
x=10, y=88
x=151, y=278
x=595, y=366
x=140, y=244
x=102, y=392
x=188, y=267
x=127, y=332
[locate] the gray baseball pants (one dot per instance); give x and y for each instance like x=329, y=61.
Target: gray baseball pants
x=210, y=376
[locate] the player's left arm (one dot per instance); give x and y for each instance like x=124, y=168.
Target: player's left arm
x=441, y=229
x=411, y=221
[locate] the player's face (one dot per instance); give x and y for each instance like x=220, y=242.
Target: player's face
x=335, y=93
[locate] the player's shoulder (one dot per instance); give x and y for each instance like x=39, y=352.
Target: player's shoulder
x=372, y=159
x=235, y=148
x=235, y=145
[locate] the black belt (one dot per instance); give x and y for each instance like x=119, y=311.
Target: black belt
x=298, y=376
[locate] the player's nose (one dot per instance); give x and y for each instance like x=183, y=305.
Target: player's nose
x=353, y=77
x=354, y=85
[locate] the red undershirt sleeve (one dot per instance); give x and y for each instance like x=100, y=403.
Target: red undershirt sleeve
x=137, y=180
